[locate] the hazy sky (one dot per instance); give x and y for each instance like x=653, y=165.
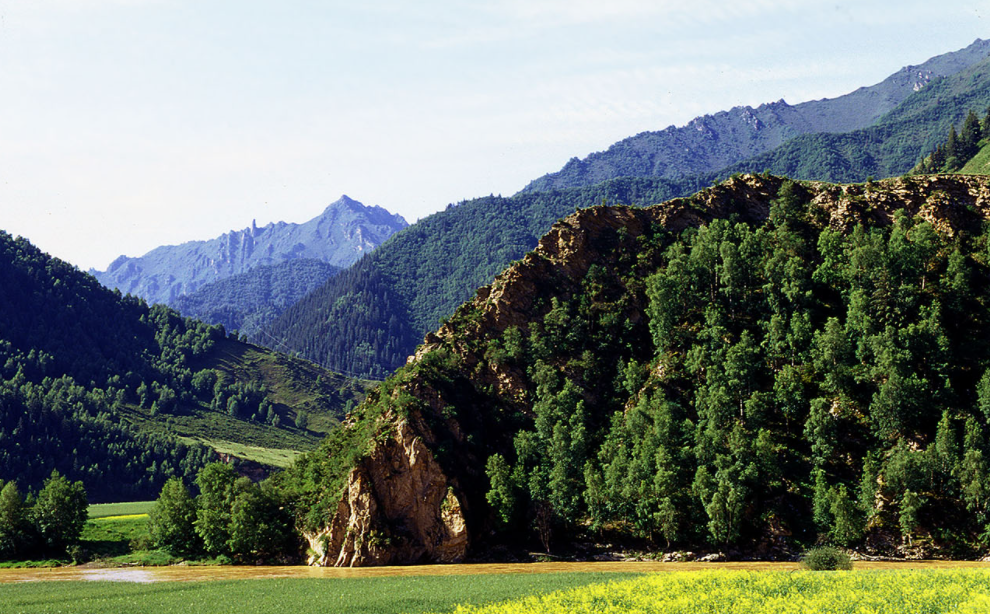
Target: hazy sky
x=128, y=124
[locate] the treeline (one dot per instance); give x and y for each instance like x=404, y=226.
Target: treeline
x=370, y=319
x=889, y=148
x=958, y=148
x=231, y=519
x=47, y=524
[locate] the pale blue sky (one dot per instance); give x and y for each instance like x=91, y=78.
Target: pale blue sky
x=127, y=124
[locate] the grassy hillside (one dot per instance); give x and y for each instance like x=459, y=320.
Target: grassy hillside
x=980, y=163
x=112, y=392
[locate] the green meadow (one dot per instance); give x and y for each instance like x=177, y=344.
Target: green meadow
x=387, y=595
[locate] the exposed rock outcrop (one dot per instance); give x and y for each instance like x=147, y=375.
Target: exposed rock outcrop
x=398, y=507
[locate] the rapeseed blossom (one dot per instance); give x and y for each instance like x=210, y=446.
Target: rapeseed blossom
x=768, y=592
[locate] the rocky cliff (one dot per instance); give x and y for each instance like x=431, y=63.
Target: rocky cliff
x=419, y=491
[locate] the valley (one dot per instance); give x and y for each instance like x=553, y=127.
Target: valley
x=708, y=350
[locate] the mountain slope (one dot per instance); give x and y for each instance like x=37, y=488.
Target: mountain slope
x=110, y=391
x=247, y=301
x=891, y=147
x=339, y=236
x=713, y=142
x=369, y=318
x=366, y=321
x=750, y=370
x=980, y=163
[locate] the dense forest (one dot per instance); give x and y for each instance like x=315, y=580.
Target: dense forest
x=807, y=365
x=247, y=301
x=95, y=384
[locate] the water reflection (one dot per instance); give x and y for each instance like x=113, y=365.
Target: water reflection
x=142, y=576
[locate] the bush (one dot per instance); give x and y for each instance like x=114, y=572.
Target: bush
x=826, y=558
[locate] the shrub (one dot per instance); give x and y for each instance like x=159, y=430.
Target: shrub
x=826, y=558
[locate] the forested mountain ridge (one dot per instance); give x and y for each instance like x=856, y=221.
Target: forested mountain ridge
x=106, y=389
x=339, y=236
x=753, y=369
x=248, y=301
x=370, y=318
x=713, y=142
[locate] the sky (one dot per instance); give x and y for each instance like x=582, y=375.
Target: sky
x=128, y=124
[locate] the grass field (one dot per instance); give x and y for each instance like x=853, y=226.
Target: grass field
x=103, y=510
x=289, y=596
x=273, y=457
x=880, y=588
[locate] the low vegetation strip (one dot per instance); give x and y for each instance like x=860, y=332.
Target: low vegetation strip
x=107, y=510
x=744, y=592
x=387, y=595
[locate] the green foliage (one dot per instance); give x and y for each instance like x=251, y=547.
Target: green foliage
x=501, y=495
x=171, y=522
x=744, y=379
x=60, y=512
x=15, y=522
x=218, y=488
x=826, y=558
x=262, y=527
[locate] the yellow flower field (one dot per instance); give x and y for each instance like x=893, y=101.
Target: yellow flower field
x=745, y=592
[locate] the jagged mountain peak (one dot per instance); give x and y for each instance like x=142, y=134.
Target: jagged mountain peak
x=340, y=235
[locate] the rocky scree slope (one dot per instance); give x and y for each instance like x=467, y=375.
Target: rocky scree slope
x=483, y=434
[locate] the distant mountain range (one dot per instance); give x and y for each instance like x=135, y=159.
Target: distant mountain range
x=370, y=318
x=344, y=232
x=713, y=142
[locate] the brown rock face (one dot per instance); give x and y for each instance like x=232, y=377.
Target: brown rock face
x=397, y=509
